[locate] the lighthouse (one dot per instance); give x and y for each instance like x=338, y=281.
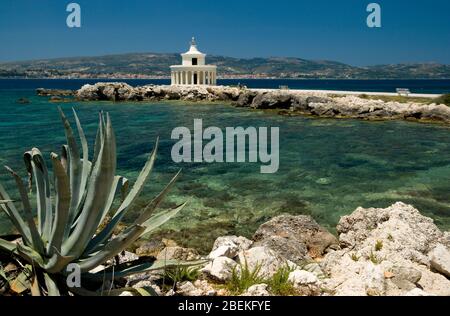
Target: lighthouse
x=194, y=70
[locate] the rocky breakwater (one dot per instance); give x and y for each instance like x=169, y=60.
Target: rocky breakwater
x=287, y=102
x=379, y=252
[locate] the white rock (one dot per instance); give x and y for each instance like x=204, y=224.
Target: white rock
x=229, y=251
x=220, y=269
x=417, y=292
x=188, y=289
x=257, y=290
x=263, y=258
x=241, y=243
x=440, y=259
x=301, y=277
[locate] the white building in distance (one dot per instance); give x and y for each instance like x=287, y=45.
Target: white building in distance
x=194, y=70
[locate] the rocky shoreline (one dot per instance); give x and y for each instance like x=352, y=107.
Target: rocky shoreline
x=379, y=252
x=287, y=102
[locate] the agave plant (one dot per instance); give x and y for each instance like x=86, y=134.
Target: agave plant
x=73, y=221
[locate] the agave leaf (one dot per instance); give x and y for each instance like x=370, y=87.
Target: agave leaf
x=30, y=255
x=52, y=288
x=157, y=265
x=147, y=291
x=129, y=200
x=40, y=163
x=154, y=204
x=7, y=246
x=62, y=206
x=86, y=167
x=17, y=220
x=113, y=248
x=3, y=274
x=36, y=166
x=35, y=291
x=35, y=238
x=161, y=218
x=75, y=170
x=116, y=186
x=99, y=189
x=99, y=138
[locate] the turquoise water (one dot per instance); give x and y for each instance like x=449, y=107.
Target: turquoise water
x=327, y=167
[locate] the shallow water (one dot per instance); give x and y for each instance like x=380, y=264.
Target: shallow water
x=327, y=167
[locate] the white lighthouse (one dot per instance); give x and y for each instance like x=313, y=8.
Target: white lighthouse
x=193, y=70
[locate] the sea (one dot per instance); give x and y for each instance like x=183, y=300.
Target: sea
x=328, y=167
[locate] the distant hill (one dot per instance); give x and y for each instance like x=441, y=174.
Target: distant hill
x=149, y=65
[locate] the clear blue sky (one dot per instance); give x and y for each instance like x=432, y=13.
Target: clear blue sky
x=413, y=31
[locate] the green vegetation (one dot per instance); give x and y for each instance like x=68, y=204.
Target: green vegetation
x=378, y=245
x=390, y=237
x=70, y=212
x=354, y=257
x=279, y=284
x=242, y=277
x=444, y=99
x=397, y=98
x=181, y=273
x=374, y=258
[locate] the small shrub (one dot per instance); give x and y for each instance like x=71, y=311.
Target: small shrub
x=279, y=284
x=181, y=274
x=374, y=259
x=390, y=237
x=354, y=257
x=242, y=278
x=443, y=99
x=378, y=245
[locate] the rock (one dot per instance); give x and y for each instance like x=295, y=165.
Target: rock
x=262, y=258
x=229, y=246
x=300, y=278
x=241, y=242
x=440, y=259
x=220, y=269
x=205, y=287
x=286, y=247
x=126, y=293
x=246, y=98
x=402, y=231
x=54, y=92
x=150, y=248
x=224, y=251
x=417, y=292
x=257, y=290
x=178, y=253
x=385, y=252
x=272, y=100
x=127, y=256
x=406, y=278
x=188, y=289
x=23, y=101
x=285, y=233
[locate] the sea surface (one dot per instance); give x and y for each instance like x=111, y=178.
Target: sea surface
x=328, y=167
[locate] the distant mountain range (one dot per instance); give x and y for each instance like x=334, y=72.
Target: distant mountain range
x=149, y=65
